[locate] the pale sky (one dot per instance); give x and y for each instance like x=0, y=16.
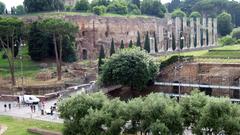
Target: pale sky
x=11, y=3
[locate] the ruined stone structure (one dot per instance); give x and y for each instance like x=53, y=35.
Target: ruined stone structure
x=171, y=34
x=202, y=73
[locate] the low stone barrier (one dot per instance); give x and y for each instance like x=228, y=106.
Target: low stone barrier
x=42, y=131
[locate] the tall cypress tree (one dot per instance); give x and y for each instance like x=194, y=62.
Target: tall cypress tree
x=155, y=42
x=112, y=49
x=122, y=45
x=138, y=40
x=130, y=44
x=147, y=43
x=100, y=59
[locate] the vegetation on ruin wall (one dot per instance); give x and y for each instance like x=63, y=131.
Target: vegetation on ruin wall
x=19, y=126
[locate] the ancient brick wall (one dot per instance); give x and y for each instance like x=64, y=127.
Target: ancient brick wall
x=95, y=31
x=202, y=73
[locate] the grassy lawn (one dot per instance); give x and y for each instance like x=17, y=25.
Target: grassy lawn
x=18, y=126
x=29, y=67
x=226, y=56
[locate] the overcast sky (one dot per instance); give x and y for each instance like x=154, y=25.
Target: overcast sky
x=11, y=3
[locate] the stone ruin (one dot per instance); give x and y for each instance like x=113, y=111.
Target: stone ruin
x=171, y=34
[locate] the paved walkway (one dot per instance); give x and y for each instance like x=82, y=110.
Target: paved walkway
x=25, y=112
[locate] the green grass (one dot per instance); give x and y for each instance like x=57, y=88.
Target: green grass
x=226, y=56
x=18, y=126
x=29, y=67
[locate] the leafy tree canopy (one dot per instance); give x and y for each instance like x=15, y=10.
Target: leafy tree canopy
x=129, y=67
x=224, y=23
x=178, y=13
x=43, y=5
x=2, y=7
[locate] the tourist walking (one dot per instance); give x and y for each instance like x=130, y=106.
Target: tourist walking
x=5, y=107
x=9, y=107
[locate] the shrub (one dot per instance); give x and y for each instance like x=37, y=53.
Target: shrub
x=99, y=10
x=128, y=67
x=236, y=33
x=227, y=40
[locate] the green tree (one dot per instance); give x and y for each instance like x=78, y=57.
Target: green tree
x=13, y=11
x=130, y=45
x=195, y=14
x=147, y=43
x=214, y=117
x=136, y=2
x=2, y=7
x=224, y=24
x=138, y=40
x=38, y=43
x=175, y=4
x=112, y=49
x=59, y=29
x=187, y=5
x=133, y=9
x=82, y=5
x=192, y=107
x=99, y=10
x=161, y=114
x=155, y=42
x=101, y=58
x=20, y=10
x=100, y=3
x=81, y=114
x=134, y=113
x=210, y=8
x=118, y=7
x=178, y=13
x=153, y=7
x=11, y=34
x=43, y=5
x=128, y=67
x=122, y=45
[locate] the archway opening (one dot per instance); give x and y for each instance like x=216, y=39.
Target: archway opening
x=207, y=91
x=85, y=54
x=175, y=89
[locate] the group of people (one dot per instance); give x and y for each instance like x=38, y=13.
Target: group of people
x=9, y=107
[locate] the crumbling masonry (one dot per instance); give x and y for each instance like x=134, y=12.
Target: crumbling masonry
x=171, y=34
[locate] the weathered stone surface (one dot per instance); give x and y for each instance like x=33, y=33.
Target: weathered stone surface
x=198, y=33
x=95, y=31
x=210, y=32
x=43, y=132
x=201, y=73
